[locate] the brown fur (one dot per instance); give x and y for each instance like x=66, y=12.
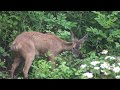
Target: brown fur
x=29, y=44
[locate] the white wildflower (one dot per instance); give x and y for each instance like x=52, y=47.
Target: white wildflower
x=119, y=64
x=88, y=75
x=97, y=68
x=117, y=77
x=107, y=57
x=110, y=57
x=104, y=52
x=113, y=66
x=118, y=58
x=83, y=66
x=94, y=63
x=104, y=72
x=105, y=65
x=116, y=69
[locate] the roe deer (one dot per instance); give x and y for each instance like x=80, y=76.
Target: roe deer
x=29, y=44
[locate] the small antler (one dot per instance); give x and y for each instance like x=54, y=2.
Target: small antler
x=84, y=38
x=72, y=35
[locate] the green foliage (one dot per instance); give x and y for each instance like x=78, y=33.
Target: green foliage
x=62, y=72
x=41, y=69
x=3, y=53
x=107, y=21
x=107, y=34
x=3, y=73
x=59, y=20
x=97, y=67
x=65, y=35
x=2, y=64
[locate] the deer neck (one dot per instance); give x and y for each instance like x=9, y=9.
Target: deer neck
x=67, y=46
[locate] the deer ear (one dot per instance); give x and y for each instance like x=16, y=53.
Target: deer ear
x=82, y=40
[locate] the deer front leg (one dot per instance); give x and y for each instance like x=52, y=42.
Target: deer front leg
x=52, y=59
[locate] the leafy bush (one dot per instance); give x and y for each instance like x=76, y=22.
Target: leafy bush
x=107, y=35
x=3, y=72
x=97, y=67
x=43, y=69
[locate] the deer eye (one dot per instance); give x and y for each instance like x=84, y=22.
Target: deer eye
x=73, y=48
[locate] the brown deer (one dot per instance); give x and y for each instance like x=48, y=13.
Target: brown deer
x=29, y=44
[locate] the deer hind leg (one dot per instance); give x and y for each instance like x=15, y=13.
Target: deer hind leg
x=15, y=65
x=28, y=61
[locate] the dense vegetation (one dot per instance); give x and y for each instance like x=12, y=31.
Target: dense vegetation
x=100, y=54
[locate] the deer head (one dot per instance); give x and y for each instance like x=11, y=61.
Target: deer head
x=77, y=44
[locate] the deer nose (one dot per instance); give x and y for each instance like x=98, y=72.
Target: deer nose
x=76, y=54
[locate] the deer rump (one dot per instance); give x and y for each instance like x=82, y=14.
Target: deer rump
x=30, y=44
